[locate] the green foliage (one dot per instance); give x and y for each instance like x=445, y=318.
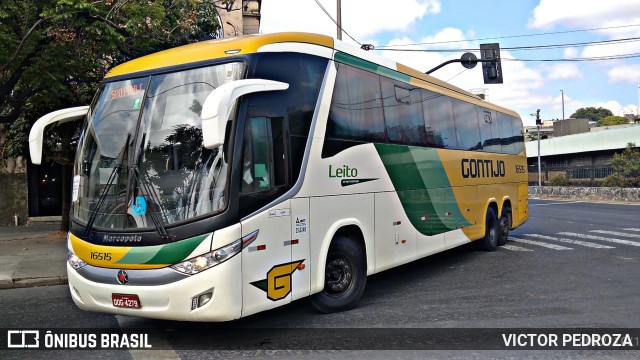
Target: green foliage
x=533, y=136
x=559, y=180
x=591, y=113
x=53, y=53
x=614, y=180
x=612, y=120
x=627, y=163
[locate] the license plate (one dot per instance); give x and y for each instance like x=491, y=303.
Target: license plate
x=127, y=301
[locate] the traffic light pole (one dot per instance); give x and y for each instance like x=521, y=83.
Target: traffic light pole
x=538, y=124
x=539, y=173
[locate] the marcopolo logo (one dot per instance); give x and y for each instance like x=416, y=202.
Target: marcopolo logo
x=478, y=168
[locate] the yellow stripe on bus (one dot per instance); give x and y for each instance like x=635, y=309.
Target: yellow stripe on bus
x=214, y=49
x=105, y=256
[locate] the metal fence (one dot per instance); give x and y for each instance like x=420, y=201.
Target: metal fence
x=579, y=176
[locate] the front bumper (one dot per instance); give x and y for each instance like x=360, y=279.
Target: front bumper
x=169, y=301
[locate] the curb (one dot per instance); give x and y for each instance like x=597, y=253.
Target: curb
x=20, y=237
x=32, y=282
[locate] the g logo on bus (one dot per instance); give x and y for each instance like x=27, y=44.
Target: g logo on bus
x=277, y=285
x=122, y=277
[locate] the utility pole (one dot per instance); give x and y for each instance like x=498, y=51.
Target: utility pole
x=339, y=19
x=562, y=92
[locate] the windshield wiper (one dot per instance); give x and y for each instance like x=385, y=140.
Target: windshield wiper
x=114, y=174
x=144, y=186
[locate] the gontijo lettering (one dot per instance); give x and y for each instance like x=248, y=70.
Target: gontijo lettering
x=478, y=168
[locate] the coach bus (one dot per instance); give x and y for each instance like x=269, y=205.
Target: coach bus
x=223, y=178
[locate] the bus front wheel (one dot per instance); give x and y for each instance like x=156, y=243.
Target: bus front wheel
x=491, y=232
x=344, y=279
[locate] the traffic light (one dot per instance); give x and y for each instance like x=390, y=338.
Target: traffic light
x=538, y=121
x=491, y=65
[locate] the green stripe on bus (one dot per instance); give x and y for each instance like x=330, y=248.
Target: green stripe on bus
x=423, y=188
x=163, y=254
x=371, y=67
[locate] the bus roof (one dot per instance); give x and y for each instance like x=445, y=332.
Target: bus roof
x=228, y=47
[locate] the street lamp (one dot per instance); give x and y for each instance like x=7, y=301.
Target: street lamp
x=562, y=92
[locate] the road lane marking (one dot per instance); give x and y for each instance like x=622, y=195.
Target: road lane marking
x=570, y=241
x=532, y=242
x=514, y=248
x=593, y=237
x=616, y=233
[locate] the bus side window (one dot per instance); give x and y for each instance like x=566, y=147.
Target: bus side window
x=438, y=119
x=518, y=134
x=264, y=160
x=467, y=129
x=506, y=134
x=489, y=130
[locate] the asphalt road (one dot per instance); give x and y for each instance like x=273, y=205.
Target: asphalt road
x=572, y=265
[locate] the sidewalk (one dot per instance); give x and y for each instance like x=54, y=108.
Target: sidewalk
x=32, y=256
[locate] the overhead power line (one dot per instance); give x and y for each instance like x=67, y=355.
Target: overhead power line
x=509, y=36
x=595, y=58
x=531, y=47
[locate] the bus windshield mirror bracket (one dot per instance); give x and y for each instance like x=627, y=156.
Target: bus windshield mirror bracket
x=218, y=105
x=490, y=59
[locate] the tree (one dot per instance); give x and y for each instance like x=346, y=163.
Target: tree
x=612, y=120
x=54, y=53
x=591, y=113
x=627, y=163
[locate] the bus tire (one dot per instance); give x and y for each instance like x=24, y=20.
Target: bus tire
x=345, y=277
x=504, y=225
x=491, y=232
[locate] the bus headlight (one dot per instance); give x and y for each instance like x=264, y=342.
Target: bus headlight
x=75, y=261
x=206, y=261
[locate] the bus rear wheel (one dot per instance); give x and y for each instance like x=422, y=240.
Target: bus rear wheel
x=491, y=232
x=505, y=226
x=344, y=279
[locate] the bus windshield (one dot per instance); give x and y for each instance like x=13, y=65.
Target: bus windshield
x=140, y=159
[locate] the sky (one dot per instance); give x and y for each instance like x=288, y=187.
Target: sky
x=458, y=25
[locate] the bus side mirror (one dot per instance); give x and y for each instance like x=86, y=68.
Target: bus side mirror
x=36, y=134
x=219, y=103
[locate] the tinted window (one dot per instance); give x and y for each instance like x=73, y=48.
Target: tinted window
x=489, y=130
x=403, y=113
x=438, y=118
x=294, y=106
x=466, y=121
x=356, y=106
x=518, y=134
x=506, y=134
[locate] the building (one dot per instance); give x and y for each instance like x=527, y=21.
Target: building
x=585, y=158
x=239, y=17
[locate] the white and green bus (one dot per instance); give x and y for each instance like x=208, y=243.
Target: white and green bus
x=223, y=178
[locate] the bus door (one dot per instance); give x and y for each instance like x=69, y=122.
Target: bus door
x=266, y=262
